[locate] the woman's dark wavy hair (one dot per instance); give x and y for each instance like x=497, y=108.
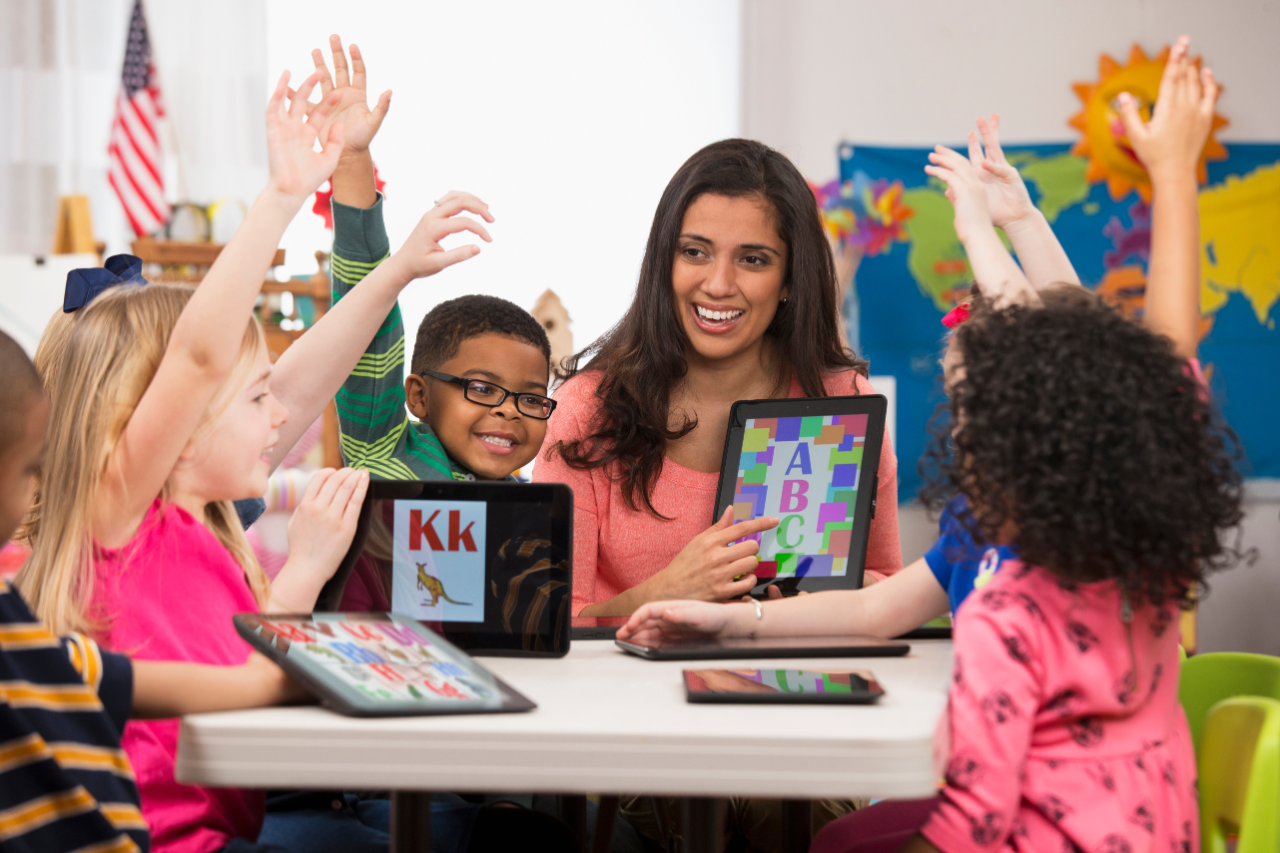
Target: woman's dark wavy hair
x=1089, y=436
x=642, y=359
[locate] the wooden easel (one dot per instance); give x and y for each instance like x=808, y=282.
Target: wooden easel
x=73, y=232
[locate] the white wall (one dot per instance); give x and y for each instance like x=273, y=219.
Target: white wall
x=816, y=72
x=567, y=118
x=819, y=71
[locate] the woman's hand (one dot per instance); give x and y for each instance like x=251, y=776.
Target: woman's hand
x=320, y=532
x=297, y=170
x=1007, y=196
x=422, y=255
x=706, y=568
x=360, y=123
x=965, y=191
x=1181, y=121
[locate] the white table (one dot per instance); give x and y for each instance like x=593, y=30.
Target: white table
x=606, y=723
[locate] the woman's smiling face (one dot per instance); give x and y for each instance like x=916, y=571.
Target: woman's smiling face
x=729, y=274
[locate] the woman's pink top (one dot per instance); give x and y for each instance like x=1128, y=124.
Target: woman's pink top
x=170, y=595
x=1065, y=727
x=616, y=547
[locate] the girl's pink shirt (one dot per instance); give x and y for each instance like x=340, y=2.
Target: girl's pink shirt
x=169, y=595
x=616, y=548
x=1066, y=732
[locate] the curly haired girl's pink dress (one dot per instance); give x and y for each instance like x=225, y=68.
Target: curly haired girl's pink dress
x=169, y=595
x=1066, y=731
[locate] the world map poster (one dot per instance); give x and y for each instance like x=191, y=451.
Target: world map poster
x=903, y=291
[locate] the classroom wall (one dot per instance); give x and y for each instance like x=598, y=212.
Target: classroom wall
x=815, y=72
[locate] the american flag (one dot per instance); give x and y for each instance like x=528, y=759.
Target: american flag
x=135, y=156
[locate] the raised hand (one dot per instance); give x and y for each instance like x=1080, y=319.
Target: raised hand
x=360, y=122
x=422, y=255
x=1007, y=196
x=965, y=191
x=297, y=169
x=1182, y=119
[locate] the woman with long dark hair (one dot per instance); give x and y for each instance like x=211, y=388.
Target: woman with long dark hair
x=736, y=301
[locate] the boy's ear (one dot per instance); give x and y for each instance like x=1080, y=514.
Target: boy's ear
x=415, y=395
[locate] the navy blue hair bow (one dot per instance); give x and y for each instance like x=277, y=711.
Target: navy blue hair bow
x=85, y=285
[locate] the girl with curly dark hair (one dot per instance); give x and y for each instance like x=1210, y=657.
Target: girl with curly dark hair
x=736, y=300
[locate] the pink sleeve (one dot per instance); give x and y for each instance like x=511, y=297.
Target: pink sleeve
x=884, y=550
x=566, y=425
x=995, y=694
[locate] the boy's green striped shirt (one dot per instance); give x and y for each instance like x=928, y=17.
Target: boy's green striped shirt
x=377, y=434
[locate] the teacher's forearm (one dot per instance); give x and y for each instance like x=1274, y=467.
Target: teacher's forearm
x=623, y=604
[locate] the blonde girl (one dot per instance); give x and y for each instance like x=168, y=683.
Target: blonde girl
x=161, y=414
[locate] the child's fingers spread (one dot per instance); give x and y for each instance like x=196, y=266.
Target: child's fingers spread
x=456, y=201
x=975, y=149
x=380, y=109
x=1209, y=95
x=326, y=82
x=357, y=68
x=441, y=260
x=991, y=138
x=318, y=479
x=275, y=106
x=441, y=228
x=944, y=156
x=296, y=110
x=321, y=112
x=940, y=173
x=339, y=62
x=1133, y=125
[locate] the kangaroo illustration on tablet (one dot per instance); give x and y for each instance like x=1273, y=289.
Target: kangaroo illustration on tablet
x=438, y=565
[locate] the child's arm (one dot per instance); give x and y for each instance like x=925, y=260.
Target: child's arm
x=205, y=342
x=994, y=268
x=356, y=342
x=895, y=605
x=170, y=689
x=1043, y=259
x=1169, y=146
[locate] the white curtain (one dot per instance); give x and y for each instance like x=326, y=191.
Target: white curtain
x=60, y=65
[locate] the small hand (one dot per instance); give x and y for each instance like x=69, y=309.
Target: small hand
x=359, y=122
x=705, y=568
x=276, y=686
x=297, y=170
x=1182, y=119
x=1007, y=196
x=675, y=619
x=965, y=191
x=320, y=532
x=422, y=255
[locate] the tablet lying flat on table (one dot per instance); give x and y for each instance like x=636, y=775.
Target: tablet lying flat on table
x=782, y=686
x=812, y=464
x=378, y=665
x=730, y=648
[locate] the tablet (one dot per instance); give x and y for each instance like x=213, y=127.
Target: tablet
x=486, y=565
x=782, y=686
x=812, y=464
x=378, y=665
x=729, y=648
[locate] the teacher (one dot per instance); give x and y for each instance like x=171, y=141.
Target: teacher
x=737, y=300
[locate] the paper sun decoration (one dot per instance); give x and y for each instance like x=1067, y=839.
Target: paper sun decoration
x=863, y=212
x=1104, y=141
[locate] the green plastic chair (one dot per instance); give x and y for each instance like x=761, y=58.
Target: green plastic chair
x=1209, y=678
x=1239, y=769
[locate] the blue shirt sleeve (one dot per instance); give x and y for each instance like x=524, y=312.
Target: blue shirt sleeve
x=940, y=557
x=115, y=691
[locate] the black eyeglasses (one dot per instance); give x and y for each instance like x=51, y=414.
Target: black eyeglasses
x=488, y=394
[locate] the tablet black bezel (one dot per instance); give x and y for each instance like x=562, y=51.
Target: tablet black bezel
x=556, y=496
x=876, y=407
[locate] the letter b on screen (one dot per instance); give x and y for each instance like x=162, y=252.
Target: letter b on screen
x=793, y=496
